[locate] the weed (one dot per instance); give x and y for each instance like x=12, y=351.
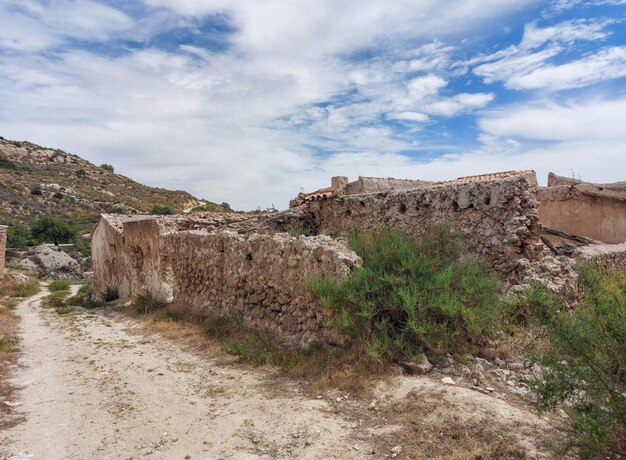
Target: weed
x=146, y=303
x=110, y=294
x=414, y=296
x=64, y=310
x=13, y=288
x=585, y=358
x=8, y=344
x=59, y=285
x=166, y=315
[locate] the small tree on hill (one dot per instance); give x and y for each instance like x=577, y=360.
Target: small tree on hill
x=107, y=167
x=162, y=210
x=52, y=229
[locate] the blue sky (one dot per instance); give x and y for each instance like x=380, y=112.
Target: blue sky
x=250, y=102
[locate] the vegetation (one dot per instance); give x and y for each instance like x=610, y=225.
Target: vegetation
x=7, y=164
x=162, y=211
x=412, y=297
x=585, y=357
x=18, y=289
x=19, y=236
x=107, y=167
x=50, y=229
x=59, y=285
x=110, y=294
x=146, y=303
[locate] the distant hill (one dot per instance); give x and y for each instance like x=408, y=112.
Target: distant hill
x=37, y=181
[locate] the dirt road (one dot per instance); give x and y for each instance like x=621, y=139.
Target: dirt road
x=95, y=385
x=93, y=389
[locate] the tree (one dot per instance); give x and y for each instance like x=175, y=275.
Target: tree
x=52, y=229
x=107, y=167
x=18, y=236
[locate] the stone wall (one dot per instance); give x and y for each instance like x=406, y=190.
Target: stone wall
x=605, y=255
x=596, y=211
x=3, y=247
x=261, y=278
x=258, y=277
x=495, y=215
x=379, y=184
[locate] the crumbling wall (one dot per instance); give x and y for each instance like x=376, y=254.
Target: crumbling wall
x=3, y=247
x=605, y=255
x=108, y=260
x=578, y=208
x=379, y=184
x=496, y=216
x=259, y=277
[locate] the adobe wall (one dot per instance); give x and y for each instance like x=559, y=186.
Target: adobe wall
x=495, y=216
x=260, y=277
x=3, y=247
x=594, y=211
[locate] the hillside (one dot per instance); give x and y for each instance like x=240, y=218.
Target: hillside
x=37, y=180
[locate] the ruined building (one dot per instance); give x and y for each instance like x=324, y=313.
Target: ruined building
x=255, y=266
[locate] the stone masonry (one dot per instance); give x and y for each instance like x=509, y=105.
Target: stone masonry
x=252, y=267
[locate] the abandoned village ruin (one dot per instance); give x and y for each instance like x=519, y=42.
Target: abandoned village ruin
x=254, y=266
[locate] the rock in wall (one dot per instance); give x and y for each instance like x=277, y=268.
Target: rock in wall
x=496, y=218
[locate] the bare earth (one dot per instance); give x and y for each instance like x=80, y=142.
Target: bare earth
x=95, y=386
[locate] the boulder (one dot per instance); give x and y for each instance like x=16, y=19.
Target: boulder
x=51, y=258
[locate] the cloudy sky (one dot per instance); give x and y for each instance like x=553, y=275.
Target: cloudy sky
x=250, y=101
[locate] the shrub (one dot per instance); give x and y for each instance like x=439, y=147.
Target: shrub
x=146, y=303
x=18, y=236
x=50, y=229
x=110, y=294
x=162, y=211
x=19, y=289
x=167, y=315
x=59, y=285
x=6, y=163
x=413, y=296
x=107, y=167
x=37, y=191
x=585, y=358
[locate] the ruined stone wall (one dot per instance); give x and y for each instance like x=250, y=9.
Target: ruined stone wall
x=3, y=247
x=261, y=278
x=378, y=184
x=496, y=218
x=605, y=255
x=584, y=209
x=109, y=264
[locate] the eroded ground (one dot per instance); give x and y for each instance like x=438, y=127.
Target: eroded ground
x=95, y=385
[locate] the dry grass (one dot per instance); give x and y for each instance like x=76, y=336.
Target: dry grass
x=9, y=321
x=10, y=287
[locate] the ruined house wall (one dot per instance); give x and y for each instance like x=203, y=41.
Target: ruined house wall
x=378, y=184
x=3, y=247
x=584, y=210
x=109, y=263
x=261, y=278
x=497, y=219
x=605, y=255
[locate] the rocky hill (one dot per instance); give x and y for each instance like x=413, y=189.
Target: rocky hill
x=37, y=180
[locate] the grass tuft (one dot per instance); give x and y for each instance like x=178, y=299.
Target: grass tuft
x=59, y=285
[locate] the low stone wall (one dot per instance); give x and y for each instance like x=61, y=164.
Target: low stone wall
x=496, y=217
x=3, y=248
x=260, y=278
x=379, y=184
x=605, y=255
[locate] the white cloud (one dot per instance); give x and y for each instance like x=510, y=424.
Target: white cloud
x=527, y=65
x=409, y=116
x=607, y=64
x=590, y=120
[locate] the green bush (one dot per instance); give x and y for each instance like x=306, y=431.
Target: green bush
x=162, y=211
x=50, y=229
x=18, y=236
x=412, y=297
x=107, y=167
x=585, y=358
x=59, y=285
x=166, y=316
x=110, y=294
x=6, y=163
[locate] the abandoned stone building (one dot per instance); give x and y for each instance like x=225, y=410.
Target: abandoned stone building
x=256, y=265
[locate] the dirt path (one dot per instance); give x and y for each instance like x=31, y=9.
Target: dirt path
x=92, y=389
x=95, y=385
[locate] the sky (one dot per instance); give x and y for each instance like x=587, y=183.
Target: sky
x=250, y=102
